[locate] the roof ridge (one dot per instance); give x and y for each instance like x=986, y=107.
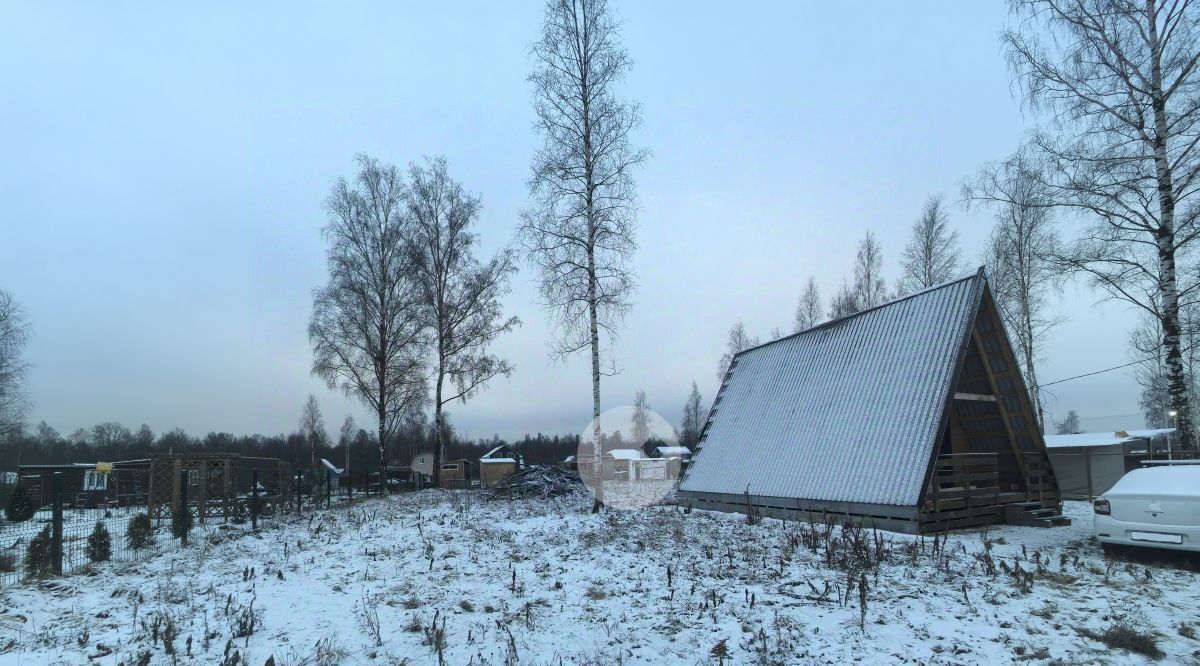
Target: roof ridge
x=978, y=273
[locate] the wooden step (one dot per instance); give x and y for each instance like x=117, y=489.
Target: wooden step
x=1034, y=514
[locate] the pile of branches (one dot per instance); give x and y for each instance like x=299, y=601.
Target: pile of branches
x=537, y=481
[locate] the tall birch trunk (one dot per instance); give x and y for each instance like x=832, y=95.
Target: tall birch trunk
x=597, y=448
x=382, y=450
x=439, y=447
x=1177, y=386
x=1031, y=373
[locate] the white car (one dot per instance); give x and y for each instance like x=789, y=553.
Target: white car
x=1155, y=506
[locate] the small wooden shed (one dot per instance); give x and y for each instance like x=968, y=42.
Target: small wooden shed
x=455, y=474
x=330, y=473
x=621, y=464
x=494, y=470
x=498, y=464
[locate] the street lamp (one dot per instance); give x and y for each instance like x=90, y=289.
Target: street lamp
x=1171, y=434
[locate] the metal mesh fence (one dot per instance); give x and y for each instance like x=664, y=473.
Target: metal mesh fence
x=52, y=541
x=28, y=547
x=65, y=537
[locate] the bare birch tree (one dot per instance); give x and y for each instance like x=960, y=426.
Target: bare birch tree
x=639, y=427
x=1021, y=258
x=870, y=289
x=1119, y=82
x=14, y=334
x=312, y=426
x=737, y=342
x=1069, y=425
x=346, y=438
x=808, y=310
x=693, y=420
x=366, y=328
x=932, y=255
x=844, y=302
x=580, y=230
x=460, y=296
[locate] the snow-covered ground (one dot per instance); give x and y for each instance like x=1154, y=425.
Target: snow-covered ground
x=545, y=582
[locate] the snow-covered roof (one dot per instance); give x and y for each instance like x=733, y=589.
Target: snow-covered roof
x=846, y=411
x=626, y=454
x=1150, y=434
x=569, y=459
x=330, y=466
x=1175, y=481
x=485, y=461
x=496, y=450
x=673, y=451
x=1103, y=438
x=1087, y=439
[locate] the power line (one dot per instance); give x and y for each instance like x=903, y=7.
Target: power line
x=1089, y=374
x=1115, y=367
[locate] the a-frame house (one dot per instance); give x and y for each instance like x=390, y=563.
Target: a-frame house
x=911, y=416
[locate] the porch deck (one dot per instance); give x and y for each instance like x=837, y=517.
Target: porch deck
x=964, y=491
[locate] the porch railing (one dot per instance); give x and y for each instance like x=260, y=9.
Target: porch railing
x=965, y=480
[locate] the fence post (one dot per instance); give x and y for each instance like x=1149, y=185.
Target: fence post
x=299, y=499
x=349, y=485
x=328, y=488
x=56, y=535
x=183, y=504
x=254, y=499
x=1088, y=459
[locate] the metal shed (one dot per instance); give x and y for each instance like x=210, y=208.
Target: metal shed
x=1088, y=463
x=911, y=416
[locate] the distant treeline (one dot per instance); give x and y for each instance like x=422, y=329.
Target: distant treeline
x=108, y=442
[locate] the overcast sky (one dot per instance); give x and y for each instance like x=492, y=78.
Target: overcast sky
x=164, y=172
